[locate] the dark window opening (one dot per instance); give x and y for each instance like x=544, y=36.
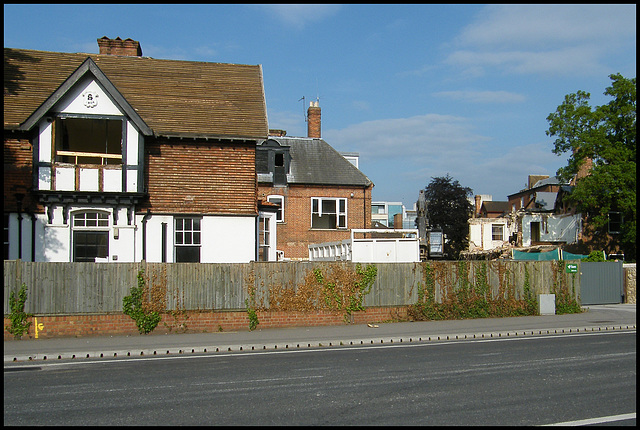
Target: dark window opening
x=615, y=222
x=87, y=245
x=535, y=232
x=88, y=141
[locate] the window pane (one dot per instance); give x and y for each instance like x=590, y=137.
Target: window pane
x=187, y=223
x=328, y=207
x=496, y=232
x=196, y=238
x=196, y=224
x=179, y=239
x=179, y=224
x=314, y=205
x=343, y=205
x=187, y=254
x=87, y=245
x=187, y=238
x=323, y=222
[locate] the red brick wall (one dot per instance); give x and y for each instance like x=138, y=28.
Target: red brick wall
x=59, y=326
x=18, y=173
x=295, y=234
x=200, y=177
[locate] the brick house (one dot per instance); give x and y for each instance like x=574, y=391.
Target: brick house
x=321, y=195
x=119, y=157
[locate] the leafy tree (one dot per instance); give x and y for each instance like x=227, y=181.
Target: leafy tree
x=449, y=208
x=606, y=135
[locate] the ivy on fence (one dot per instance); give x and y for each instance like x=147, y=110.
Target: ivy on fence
x=466, y=299
x=333, y=288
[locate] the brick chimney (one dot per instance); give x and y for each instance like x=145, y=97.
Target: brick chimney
x=313, y=120
x=117, y=46
x=478, y=200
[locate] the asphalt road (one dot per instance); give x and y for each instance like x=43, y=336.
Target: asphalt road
x=533, y=380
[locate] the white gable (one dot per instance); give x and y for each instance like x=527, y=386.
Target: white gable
x=87, y=97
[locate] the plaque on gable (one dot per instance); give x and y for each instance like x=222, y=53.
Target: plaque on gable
x=90, y=98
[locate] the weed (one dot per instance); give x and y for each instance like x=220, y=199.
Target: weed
x=19, y=324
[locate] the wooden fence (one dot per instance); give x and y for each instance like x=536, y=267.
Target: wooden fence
x=80, y=288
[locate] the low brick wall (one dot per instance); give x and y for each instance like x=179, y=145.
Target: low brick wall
x=57, y=326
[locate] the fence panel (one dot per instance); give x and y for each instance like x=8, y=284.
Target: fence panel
x=67, y=288
x=602, y=283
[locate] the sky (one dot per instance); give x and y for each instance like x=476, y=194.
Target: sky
x=418, y=91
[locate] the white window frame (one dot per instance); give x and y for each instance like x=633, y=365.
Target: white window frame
x=264, y=240
x=318, y=204
x=85, y=223
x=280, y=213
x=97, y=222
x=493, y=233
x=195, y=234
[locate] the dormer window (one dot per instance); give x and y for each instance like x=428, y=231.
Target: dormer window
x=273, y=159
x=96, y=141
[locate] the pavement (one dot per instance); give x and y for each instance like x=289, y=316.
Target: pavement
x=617, y=317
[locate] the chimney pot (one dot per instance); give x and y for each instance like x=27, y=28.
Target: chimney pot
x=117, y=46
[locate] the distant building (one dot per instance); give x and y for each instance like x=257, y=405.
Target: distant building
x=384, y=213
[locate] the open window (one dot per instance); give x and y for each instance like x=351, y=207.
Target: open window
x=328, y=214
x=88, y=140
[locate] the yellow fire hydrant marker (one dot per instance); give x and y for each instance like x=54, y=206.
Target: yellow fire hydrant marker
x=39, y=327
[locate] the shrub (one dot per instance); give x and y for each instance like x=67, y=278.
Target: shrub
x=19, y=324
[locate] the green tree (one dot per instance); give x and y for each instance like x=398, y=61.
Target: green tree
x=605, y=135
x=449, y=208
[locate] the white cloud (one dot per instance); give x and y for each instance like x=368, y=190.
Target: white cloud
x=402, y=155
x=298, y=15
x=542, y=25
x=482, y=96
x=543, y=39
x=289, y=121
x=418, y=139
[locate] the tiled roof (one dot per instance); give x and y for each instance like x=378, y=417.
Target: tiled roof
x=315, y=162
x=496, y=207
x=172, y=97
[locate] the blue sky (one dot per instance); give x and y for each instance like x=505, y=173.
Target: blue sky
x=419, y=91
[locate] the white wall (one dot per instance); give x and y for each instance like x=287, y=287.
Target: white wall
x=553, y=228
x=225, y=239
x=228, y=239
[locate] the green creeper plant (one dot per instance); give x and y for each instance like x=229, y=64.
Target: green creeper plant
x=134, y=306
x=19, y=318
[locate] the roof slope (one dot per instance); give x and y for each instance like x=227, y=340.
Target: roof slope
x=496, y=207
x=172, y=97
x=315, y=162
